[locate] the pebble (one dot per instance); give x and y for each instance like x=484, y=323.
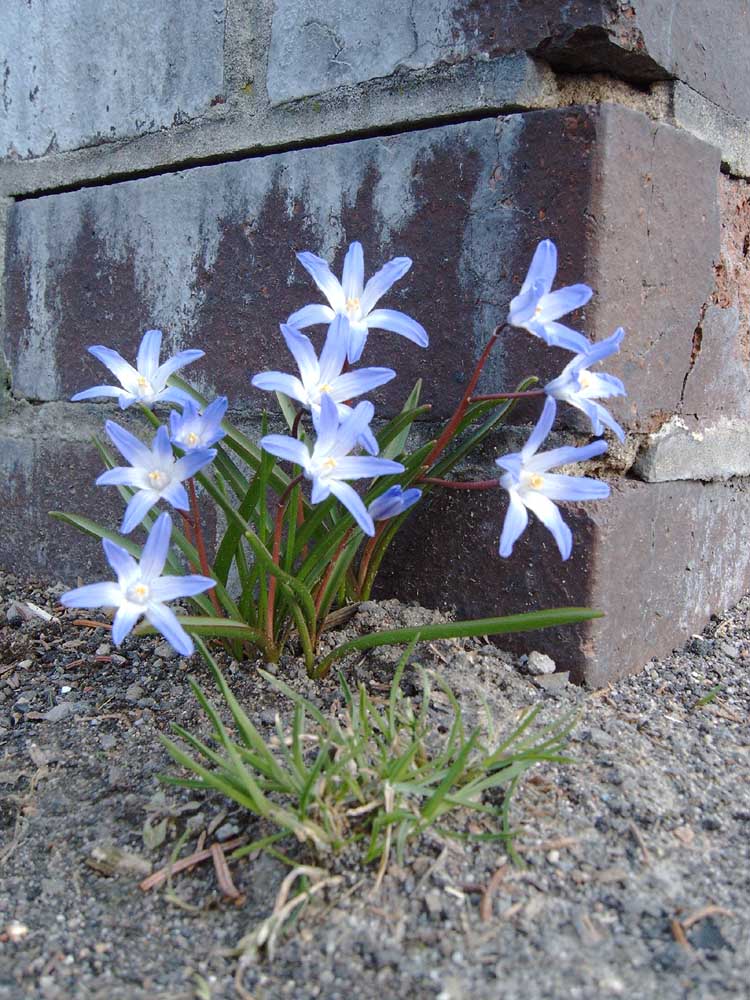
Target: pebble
x=539, y=663
x=104, y=650
x=227, y=830
x=13, y=615
x=62, y=711
x=134, y=692
x=165, y=651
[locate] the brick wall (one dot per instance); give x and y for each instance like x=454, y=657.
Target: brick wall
x=160, y=164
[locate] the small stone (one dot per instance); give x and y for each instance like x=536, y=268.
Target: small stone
x=62, y=711
x=165, y=651
x=729, y=649
x=104, y=650
x=107, y=741
x=227, y=830
x=118, y=660
x=133, y=693
x=539, y=663
x=25, y=664
x=13, y=614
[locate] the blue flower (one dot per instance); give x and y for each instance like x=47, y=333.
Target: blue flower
x=141, y=589
x=192, y=429
x=531, y=486
x=147, y=383
x=393, y=502
x=154, y=472
x=356, y=301
x=537, y=309
x=330, y=466
x=581, y=388
x=322, y=376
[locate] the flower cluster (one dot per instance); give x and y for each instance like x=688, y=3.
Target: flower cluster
x=332, y=445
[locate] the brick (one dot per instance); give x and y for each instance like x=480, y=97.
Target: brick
x=79, y=72
x=312, y=52
x=208, y=254
x=653, y=557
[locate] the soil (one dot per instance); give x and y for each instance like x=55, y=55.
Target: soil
x=635, y=877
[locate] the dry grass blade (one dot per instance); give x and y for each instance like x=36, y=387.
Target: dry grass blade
x=161, y=876
x=223, y=876
x=485, y=904
x=705, y=911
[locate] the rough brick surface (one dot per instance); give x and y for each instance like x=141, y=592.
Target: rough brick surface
x=316, y=50
x=653, y=557
x=78, y=72
x=208, y=254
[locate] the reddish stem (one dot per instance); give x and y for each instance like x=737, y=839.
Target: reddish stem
x=528, y=393
x=296, y=422
x=455, y=420
x=276, y=552
x=200, y=544
x=329, y=571
x=364, y=562
x=456, y=484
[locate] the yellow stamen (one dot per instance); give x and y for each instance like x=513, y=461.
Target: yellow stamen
x=329, y=464
x=192, y=439
x=352, y=306
x=536, y=481
x=158, y=479
x=585, y=379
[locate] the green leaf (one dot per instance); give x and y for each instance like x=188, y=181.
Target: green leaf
x=454, y=630
x=398, y=442
x=225, y=628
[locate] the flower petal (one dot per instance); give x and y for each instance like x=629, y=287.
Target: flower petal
x=176, y=495
x=148, y=353
x=188, y=465
x=124, y=372
x=357, y=341
x=161, y=447
x=564, y=456
x=551, y=518
x=364, y=466
x=543, y=267
x=398, y=322
x=356, y=383
x=173, y=395
x=93, y=595
x=169, y=588
x=124, y=476
x=320, y=272
x=126, y=617
x=353, y=503
x=353, y=277
x=140, y=504
x=310, y=316
x=96, y=392
x=559, y=487
x=514, y=524
x=304, y=354
x=333, y=355
x=129, y=446
x=173, y=364
x=559, y=335
x=564, y=300
x=165, y=621
x=290, y=385
x=287, y=448
x=542, y=429
x=382, y=280
x=154, y=553
x=121, y=562
x=327, y=427
x=321, y=490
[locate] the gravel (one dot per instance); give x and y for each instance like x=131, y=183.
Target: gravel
x=635, y=879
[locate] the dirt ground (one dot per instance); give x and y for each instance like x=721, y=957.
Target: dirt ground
x=636, y=877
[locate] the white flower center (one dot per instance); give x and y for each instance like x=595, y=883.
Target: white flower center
x=144, y=386
x=327, y=465
x=538, y=310
x=159, y=479
x=536, y=481
x=138, y=593
x=192, y=439
x=585, y=379
x=324, y=388
x=353, y=308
